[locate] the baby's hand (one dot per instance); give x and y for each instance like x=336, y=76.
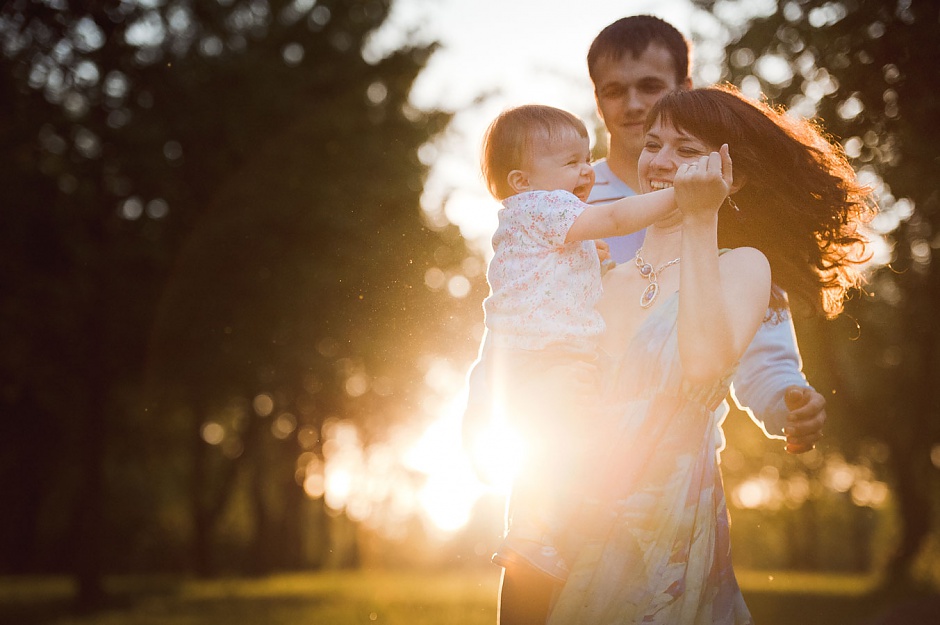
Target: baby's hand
x=579, y=377
x=702, y=187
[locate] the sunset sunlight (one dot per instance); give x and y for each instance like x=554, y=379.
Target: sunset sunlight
x=424, y=471
x=312, y=319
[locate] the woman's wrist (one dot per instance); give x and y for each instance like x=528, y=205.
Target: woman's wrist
x=700, y=221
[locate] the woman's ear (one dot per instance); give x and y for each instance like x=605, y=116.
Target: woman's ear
x=738, y=183
x=518, y=180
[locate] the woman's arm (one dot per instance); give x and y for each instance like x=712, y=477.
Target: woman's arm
x=721, y=305
x=721, y=302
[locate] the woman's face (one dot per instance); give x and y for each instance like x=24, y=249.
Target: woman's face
x=664, y=149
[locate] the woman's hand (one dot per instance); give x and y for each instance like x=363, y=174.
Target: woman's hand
x=702, y=187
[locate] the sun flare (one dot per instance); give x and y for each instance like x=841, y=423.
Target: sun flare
x=458, y=475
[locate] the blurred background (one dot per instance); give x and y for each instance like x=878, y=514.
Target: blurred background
x=242, y=256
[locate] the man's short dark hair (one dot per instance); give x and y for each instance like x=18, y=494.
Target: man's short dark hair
x=635, y=34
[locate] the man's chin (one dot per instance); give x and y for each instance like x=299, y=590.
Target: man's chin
x=631, y=134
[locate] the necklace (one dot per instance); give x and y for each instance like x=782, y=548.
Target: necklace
x=646, y=270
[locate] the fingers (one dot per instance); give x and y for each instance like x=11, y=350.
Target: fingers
x=726, y=165
x=794, y=397
x=802, y=438
x=713, y=163
x=579, y=371
x=802, y=442
x=806, y=418
x=804, y=403
x=701, y=166
x=583, y=371
x=795, y=448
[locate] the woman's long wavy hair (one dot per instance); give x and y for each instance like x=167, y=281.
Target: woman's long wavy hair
x=801, y=204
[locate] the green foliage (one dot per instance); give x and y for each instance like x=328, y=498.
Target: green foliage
x=203, y=202
x=868, y=69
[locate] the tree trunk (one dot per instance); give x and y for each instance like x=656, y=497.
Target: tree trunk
x=201, y=517
x=89, y=501
x=917, y=398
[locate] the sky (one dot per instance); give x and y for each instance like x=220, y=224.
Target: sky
x=494, y=54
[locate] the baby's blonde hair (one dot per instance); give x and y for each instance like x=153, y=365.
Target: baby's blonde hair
x=509, y=140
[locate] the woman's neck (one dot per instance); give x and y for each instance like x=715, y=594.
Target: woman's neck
x=662, y=242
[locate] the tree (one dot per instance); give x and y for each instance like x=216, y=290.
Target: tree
x=206, y=205
x=867, y=68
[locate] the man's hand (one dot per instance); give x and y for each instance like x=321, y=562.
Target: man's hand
x=603, y=254
x=807, y=415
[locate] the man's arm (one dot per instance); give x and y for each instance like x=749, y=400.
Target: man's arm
x=769, y=385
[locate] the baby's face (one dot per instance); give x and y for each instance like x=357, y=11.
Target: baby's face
x=561, y=163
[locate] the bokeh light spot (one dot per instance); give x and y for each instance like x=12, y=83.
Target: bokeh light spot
x=263, y=404
x=212, y=432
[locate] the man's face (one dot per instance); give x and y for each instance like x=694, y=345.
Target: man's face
x=626, y=89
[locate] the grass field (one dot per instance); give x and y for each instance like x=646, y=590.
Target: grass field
x=455, y=597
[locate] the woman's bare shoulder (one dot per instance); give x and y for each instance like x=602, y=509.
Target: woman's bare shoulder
x=745, y=258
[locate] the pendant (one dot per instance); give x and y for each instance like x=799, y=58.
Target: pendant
x=649, y=294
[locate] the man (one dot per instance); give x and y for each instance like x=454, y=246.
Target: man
x=632, y=63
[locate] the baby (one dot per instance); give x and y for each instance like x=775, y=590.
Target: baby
x=542, y=325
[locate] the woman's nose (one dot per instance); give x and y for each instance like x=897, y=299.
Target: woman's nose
x=662, y=161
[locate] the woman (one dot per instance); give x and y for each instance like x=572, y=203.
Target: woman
x=651, y=543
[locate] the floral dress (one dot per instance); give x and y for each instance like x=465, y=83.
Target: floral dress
x=651, y=541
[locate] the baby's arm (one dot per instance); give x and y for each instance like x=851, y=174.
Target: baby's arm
x=622, y=217
x=721, y=303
